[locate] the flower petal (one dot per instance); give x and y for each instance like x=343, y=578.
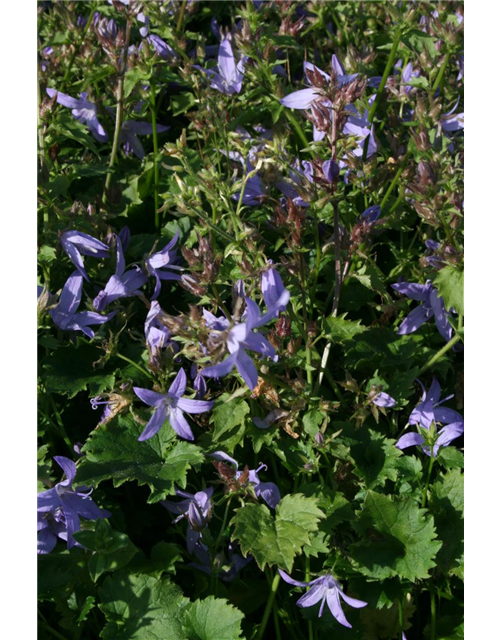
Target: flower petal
x=152, y=398
x=409, y=440
x=414, y=320
x=222, y=369
x=155, y=423
x=246, y=369
x=332, y=597
x=180, y=425
x=178, y=386
x=300, y=99
x=194, y=406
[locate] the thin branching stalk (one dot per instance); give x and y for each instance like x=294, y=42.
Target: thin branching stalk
x=269, y=605
x=387, y=71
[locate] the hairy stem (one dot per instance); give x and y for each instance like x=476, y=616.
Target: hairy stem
x=134, y=364
x=440, y=353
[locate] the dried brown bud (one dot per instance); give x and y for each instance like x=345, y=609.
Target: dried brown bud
x=284, y=327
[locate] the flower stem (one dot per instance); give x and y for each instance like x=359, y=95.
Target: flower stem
x=401, y=617
x=119, y=111
x=440, y=353
x=429, y=470
x=223, y=526
x=393, y=184
x=155, y=151
x=134, y=364
x=269, y=606
x=310, y=627
x=276, y=621
x=181, y=14
x=387, y=70
x=433, y=613
x=440, y=75
x=78, y=46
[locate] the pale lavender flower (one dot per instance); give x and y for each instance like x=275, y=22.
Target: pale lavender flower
x=76, y=244
x=429, y=412
x=275, y=295
x=123, y=284
x=163, y=49
x=197, y=509
x=141, y=17
x=158, y=337
x=65, y=315
x=60, y=508
x=160, y=262
x=238, y=337
x=384, y=400
x=432, y=306
x=324, y=589
x=133, y=128
x=83, y=110
x=170, y=406
x=229, y=78
x=266, y=490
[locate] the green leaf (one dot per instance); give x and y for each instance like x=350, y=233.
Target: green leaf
x=229, y=420
x=212, y=619
x=340, y=329
x=113, y=550
x=46, y=254
x=60, y=570
x=450, y=284
x=312, y=421
x=398, y=539
x=113, y=452
x=133, y=77
x=68, y=127
x=447, y=506
x=375, y=459
x=140, y=607
x=44, y=468
x=277, y=540
x=451, y=458
x=71, y=370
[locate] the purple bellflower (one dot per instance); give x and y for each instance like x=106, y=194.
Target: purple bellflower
x=141, y=17
x=240, y=336
x=159, y=263
x=266, y=490
x=428, y=413
x=76, y=244
x=162, y=49
x=83, y=110
x=65, y=314
x=432, y=305
x=60, y=508
x=384, y=400
x=197, y=509
x=129, y=132
x=170, y=406
x=229, y=78
x=372, y=214
x=275, y=295
x=121, y=285
x=157, y=334
x=324, y=589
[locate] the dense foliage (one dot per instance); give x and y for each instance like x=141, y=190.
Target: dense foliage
x=250, y=316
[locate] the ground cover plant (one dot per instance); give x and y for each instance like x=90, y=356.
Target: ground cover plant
x=251, y=321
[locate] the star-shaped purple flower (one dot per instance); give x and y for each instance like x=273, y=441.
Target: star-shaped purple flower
x=229, y=78
x=159, y=263
x=60, y=508
x=123, y=284
x=197, y=509
x=65, y=315
x=170, y=406
x=76, y=244
x=429, y=412
x=324, y=589
x=83, y=110
x=432, y=306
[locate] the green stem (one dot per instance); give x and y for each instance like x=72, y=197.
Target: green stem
x=440, y=353
x=77, y=47
x=60, y=424
x=276, y=621
x=119, y=112
x=433, y=613
x=155, y=151
x=223, y=526
x=134, y=364
x=429, y=470
x=401, y=617
x=269, y=606
x=52, y=631
x=440, y=75
x=181, y=14
x=393, y=184
x=305, y=319
x=310, y=627
x=387, y=71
